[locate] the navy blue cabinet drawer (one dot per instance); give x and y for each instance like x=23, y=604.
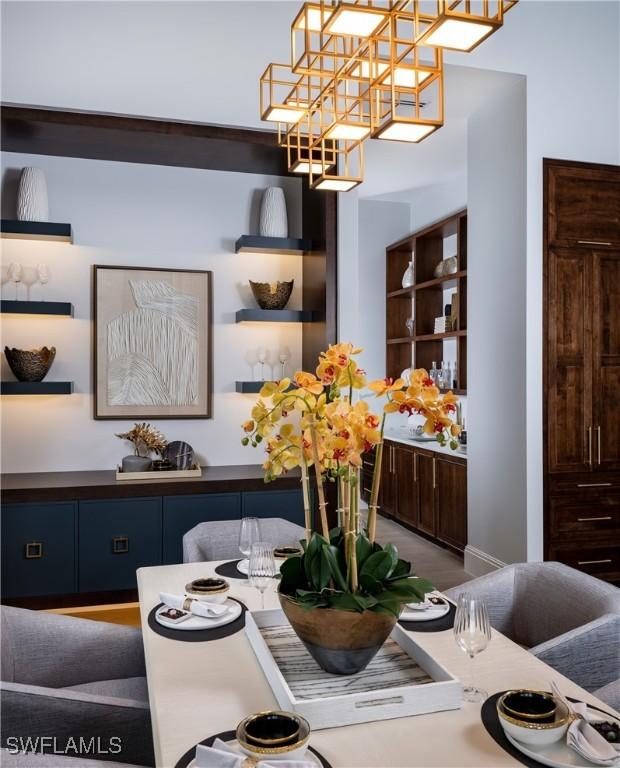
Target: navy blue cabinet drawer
x=286, y=504
x=114, y=539
x=38, y=549
x=182, y=513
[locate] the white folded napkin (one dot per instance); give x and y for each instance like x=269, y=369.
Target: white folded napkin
x=587, y=741
x=198, y=608
x=221, y=755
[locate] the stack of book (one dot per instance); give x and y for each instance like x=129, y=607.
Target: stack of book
x=443, y=324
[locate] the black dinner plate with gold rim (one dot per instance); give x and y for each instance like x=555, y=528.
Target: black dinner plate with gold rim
x=433, y=625
x=230, y=570
x=490, y=720
x=187, y=758
x=198, y=635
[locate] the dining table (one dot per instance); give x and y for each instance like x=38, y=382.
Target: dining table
x=197, y=689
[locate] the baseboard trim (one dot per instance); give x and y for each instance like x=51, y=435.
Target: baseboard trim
x=479, y=563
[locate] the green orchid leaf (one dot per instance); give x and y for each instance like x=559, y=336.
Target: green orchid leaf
x=378, y=565
x=363, y=550
x=393, y=552
x=402, y=568
x=369, y=584
x=331, y=555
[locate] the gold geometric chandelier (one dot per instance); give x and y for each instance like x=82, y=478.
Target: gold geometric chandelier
x=366, y=69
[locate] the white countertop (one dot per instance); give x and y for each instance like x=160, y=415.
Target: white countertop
x=397, y=435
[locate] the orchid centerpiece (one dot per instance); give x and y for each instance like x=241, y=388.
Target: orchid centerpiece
x=316, y=423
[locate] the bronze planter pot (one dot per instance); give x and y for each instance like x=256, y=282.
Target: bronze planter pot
x=30, y=364
x=272, y=295
x=341, y=642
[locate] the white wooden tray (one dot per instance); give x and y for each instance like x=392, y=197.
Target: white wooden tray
x=195, y=471
x=402, y=680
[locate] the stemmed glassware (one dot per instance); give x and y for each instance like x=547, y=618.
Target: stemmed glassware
x=29, y=278
x=249, y=534
x=44, y=276
x=472, y=632
x=262, y=359
x=262, y=569
x=15, y=275
x=284, y=356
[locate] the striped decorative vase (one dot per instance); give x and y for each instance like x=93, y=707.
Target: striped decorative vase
x=273, y=219
x=32, y=196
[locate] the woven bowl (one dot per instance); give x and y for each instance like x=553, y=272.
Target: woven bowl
x=30, y=364
x=272, y=295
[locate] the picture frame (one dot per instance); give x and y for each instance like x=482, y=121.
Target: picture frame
x=152, y=343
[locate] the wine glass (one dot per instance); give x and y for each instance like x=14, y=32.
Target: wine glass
x=44, y=276
x=284, y=356
x=262, y=569
x=15, y=275
x=29, y=278
x=472, y=632
x=262, y=359
x=249, y=533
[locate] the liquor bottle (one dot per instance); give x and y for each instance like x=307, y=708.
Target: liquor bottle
x=454, y=376
x=447, y=381
x=434, y=374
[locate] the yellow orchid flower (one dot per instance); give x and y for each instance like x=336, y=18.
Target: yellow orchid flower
x=309, y=382
x=382, y=386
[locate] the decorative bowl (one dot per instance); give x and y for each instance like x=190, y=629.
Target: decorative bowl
x=529, y=705
x=273, y=733
x=534, y=732
x=281, y=553
x=272, y=295
x=208, y=590
x=30, y=364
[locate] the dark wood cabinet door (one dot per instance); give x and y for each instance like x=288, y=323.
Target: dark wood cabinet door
x=569, y=371
x=406, y=491
x=451, y=502
x=426, y=492
x=583, y=205
x=386, y=490
x=606, y=359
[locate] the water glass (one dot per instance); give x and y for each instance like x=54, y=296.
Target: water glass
x=249, y=534
x=262, y=569
x=472, y=632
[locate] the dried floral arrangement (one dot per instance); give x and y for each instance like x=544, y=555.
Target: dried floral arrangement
x=145, y=439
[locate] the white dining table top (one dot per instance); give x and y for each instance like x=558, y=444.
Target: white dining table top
x=197, y=689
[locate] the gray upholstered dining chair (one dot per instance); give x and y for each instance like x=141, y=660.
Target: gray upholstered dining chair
x=68, y=678
x=568, y=619
x=219, y=539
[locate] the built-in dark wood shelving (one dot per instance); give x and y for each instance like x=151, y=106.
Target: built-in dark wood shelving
x=36, y=230
x=424, y=300
x=273, y=316
x=439, y=336
x=58, y=308
x=440, y=283
x=36, y=387
x=295, y=246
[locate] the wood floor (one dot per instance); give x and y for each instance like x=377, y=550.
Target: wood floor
x=441, y=567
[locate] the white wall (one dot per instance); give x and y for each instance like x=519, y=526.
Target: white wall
x=496, y=354
x=140, y=215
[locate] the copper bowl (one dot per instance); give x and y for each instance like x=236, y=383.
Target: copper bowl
x=30, y=364
x=272, y=295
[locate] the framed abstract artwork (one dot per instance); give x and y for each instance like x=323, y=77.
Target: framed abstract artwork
x=152, y=343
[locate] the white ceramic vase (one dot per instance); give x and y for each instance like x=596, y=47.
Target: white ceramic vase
x=273, y=219
x=408, y=276
x=32, y=202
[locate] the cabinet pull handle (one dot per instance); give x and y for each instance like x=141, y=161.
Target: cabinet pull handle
x=393, y=461
x=598, y=445
x=33, y=550
x=593, y=242
x=590, y=519
x=415, y=467
x=593, y=562
x=590, y=446
x=120, y=545
x=593, y=485
x=367, y=490
x=434, y=474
